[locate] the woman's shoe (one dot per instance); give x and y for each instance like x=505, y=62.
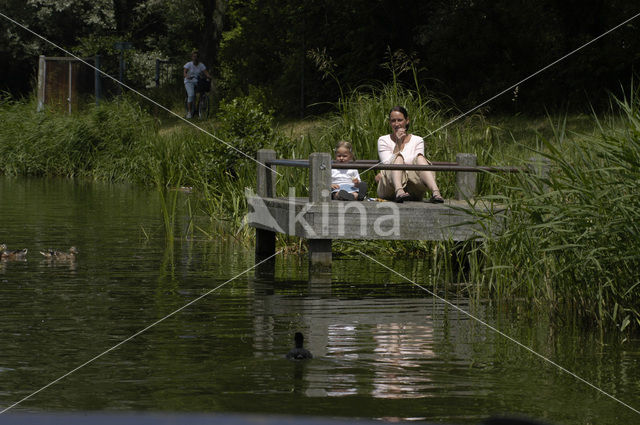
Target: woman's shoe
x=402, y=197
x=436, y=199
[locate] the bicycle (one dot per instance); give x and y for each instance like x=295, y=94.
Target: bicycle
x=201, y=107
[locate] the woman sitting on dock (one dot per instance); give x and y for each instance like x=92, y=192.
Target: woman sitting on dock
x=402, y=148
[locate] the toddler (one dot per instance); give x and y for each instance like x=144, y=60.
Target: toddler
x=345, y=183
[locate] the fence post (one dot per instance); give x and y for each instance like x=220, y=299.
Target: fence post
x=319, y=191
x=42, y=76
x=466, y=181
x=70, y=82
x=157, y=79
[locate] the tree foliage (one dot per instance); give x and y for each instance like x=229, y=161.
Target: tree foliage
x=156, y=28
x=467, y=49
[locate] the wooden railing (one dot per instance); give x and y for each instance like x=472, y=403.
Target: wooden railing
x=320, y=165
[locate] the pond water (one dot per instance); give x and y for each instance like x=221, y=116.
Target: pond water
x=383, y=348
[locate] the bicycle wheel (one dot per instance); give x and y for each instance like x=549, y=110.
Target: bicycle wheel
x=203, y=107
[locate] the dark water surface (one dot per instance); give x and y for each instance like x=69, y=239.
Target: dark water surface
x=383, y=348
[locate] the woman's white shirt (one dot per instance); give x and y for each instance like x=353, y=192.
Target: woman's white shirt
x=413, y=148
x=193, y=71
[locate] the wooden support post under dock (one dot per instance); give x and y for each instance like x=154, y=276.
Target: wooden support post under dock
x=319, y=191
x=266, y=188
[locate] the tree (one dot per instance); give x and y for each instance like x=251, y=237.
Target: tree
x=468, y=49
x=166, y=28
x=60, y=21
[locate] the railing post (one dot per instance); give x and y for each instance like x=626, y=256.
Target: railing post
x=319, y=177
x=266, y=188
x=466, y=181
x=265, y=176
x=319, y=191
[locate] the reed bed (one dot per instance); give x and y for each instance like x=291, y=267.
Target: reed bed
x=109, y=142
x=571, y=240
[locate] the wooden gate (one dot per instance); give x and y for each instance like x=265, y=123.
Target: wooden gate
x=65, y=83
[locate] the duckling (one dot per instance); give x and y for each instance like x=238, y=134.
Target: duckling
x=299, y=353
x=12, y=254
x=59, y=255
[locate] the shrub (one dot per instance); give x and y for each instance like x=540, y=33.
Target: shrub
x=245, y=127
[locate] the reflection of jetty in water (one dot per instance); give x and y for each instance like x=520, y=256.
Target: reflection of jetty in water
x=385, y=348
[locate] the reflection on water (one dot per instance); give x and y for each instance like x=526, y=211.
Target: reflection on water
x=382, y=348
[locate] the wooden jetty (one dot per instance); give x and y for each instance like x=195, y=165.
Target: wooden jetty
x=320, y=220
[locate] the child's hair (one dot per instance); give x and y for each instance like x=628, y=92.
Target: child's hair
x=345, y=144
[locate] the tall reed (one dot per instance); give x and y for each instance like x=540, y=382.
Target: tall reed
x=573, y=239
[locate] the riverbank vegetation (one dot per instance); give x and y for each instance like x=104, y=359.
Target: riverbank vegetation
x=572, y=239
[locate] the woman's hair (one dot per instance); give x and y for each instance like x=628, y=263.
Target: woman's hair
x=402, y=110
x=345, y=144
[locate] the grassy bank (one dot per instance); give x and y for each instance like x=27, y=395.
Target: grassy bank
x=572, y=239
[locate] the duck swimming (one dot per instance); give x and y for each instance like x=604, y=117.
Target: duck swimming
x=60, y=255
x=12, y=254
x=299, y=353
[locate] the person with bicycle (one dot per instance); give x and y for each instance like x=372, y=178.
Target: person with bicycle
x=192, y=72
